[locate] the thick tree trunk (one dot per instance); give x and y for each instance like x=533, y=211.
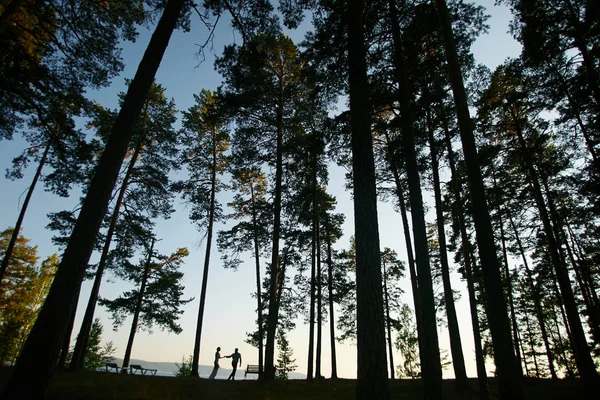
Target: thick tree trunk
x=431, y=368
x=458, y=359
x=138, y=310
x=17, y=229
x=64, y=352
x=273, y=316
x=258, y=283
x=88, y=319
x=509, y=380
x=209, y=233
x=466, y=252
x=36, y=363
x=331, y=310
x=371, y=361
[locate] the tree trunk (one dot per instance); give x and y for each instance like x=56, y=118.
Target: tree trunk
x=209, y=233
x=319, y=300
x=388, y=321
x=311, y=322
x=466, y=252
x=458, y=359
x=36, y=363
x=531, y=342
x=331, y=315
x=371, y=361
x=138, y=310
x=64, y=352
x=88, y=319
x=509, y=381
x=17, y=229
x=431, y=368
x=258, y=283
x=273, y=316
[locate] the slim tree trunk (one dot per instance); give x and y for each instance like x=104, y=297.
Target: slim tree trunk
x=531, y=342
x=211, y=220
x=36, y=363
x=331, y=310
x=273, y=317
x=458, y=359
x=88, y=319
x=138, y=309
x=372, y=370
x=319, y=304
x=313, y=266
x=431, y=368
x=509, y=381
x=258, y=283
x=466, y=252
x=17, y=229
x=388, y=321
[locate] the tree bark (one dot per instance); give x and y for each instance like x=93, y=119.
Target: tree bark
x=371, y=361
x=509, y=381
x=36, y=363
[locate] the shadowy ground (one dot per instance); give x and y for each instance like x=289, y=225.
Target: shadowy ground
x=101, y=385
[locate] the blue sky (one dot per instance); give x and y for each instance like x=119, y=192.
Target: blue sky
x=230, y=310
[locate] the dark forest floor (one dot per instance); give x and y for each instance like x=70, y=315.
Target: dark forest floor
x=101, y=385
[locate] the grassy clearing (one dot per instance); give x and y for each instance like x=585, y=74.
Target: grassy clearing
x=98, y=385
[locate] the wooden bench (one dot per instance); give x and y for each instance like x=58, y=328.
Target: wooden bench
x=110, y=366
x=252, y=369
x=136, y=367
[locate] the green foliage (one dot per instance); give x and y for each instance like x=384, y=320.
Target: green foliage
x=161, y=299
x=408, y=345
x=22, y=293
x=97, y=355
x=285, y=362
x=185, y=368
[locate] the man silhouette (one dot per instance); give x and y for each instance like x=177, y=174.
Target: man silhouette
x=216, y=367
x=235, y=358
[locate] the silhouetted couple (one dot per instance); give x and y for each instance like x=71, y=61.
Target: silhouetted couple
x=235, y=359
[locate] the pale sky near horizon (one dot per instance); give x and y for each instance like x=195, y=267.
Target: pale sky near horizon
x=230, y=309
